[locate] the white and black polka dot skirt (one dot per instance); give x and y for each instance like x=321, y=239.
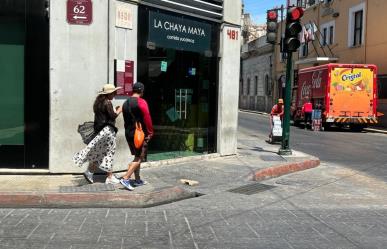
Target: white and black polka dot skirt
x=99, y=151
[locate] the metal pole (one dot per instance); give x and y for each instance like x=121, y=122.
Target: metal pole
x=285, y=148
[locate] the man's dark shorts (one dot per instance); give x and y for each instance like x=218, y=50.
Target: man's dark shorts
x=141, y=153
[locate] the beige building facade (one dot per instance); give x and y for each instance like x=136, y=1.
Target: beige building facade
x=342, y=31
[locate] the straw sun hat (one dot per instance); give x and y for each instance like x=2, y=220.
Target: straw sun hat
x=109, y=88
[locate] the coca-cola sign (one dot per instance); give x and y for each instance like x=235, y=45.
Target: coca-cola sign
x=316, y=79
x=305, y=90
x=312, y=84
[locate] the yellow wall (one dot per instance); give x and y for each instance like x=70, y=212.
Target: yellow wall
x=376, y=41
x=372, y=51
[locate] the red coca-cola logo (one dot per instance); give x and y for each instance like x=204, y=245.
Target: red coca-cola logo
x=305, y=90
x=316, y=79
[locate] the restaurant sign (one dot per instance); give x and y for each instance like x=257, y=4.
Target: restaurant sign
x=178, y=32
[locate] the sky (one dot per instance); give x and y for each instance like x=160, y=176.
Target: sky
x=257, y=8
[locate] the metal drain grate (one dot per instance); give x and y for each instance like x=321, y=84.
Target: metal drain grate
x=270, y=158
x=251, y=189
x=87, y=188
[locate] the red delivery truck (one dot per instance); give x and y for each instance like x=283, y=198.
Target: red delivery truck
x=345, y=93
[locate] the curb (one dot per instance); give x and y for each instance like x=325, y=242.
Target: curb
x=375, y=130
x=283, y=169
x=93, y=200
x=255, y=112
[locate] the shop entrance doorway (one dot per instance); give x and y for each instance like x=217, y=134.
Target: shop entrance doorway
x=181, y=92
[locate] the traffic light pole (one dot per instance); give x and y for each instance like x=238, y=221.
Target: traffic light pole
x=285, y=148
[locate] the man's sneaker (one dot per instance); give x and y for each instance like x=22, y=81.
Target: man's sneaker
x=138, y=183
x=88, y=176
x=126, y=184
x=112, y=180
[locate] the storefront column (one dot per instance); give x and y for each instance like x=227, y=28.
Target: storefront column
x=229, y=71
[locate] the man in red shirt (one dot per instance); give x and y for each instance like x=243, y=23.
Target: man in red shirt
x=135, y=109
x=278, y=109
x=307, y=110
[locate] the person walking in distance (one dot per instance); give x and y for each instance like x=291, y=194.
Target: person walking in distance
x=278, y=109
x=307, y=110
x=135, y=109
x=100, y=151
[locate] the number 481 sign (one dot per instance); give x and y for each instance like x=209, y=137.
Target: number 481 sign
x=233, y=34
x=79, y=12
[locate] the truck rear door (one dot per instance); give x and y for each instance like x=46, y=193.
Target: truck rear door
x=351, y=92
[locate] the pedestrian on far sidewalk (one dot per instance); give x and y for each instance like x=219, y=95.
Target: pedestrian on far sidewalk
x=100, y=151
x=278, y=109
x=135, y=109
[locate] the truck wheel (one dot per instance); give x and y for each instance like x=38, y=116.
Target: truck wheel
x=296, y=123
x=327, y=127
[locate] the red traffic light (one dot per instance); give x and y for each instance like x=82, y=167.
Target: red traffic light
x=272, y=15
x=295, y=13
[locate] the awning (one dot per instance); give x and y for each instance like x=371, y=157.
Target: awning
x=316, y=60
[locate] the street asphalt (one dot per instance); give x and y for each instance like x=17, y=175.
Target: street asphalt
x=339, y=204
x=365, y=151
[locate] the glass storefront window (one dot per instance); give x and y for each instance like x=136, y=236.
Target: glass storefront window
x=180, y=87
x=23, y=84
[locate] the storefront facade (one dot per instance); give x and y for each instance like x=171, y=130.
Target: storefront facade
x=187, y=56
x=179, y=56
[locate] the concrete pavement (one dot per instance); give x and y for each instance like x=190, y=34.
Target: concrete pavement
x=256, y=160
x=332, y=206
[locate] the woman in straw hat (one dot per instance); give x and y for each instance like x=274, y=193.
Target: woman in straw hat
x=100, y=151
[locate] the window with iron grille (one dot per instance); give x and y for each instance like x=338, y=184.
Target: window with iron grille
x=248, y=86
x=331, y=31
x=256, y=86
x=328, y=33
x=304, y=50
x=267, y=85
x=325, y=36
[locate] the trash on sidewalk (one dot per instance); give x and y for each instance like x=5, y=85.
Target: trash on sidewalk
x=189, y=182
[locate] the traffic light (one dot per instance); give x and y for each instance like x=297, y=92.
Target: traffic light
x=271, y=26
x=293, y=27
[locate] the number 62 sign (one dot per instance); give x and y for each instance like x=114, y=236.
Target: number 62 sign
x=79, y=12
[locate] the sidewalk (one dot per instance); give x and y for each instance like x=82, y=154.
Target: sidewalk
x=256, y=160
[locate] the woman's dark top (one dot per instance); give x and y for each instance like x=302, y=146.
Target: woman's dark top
x=104, y=115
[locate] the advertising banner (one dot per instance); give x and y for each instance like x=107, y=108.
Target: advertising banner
x=352, y=80
x=179, y=33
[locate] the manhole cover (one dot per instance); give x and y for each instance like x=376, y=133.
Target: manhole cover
x=271, y=158
x=87, y=188
x=251, y=189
